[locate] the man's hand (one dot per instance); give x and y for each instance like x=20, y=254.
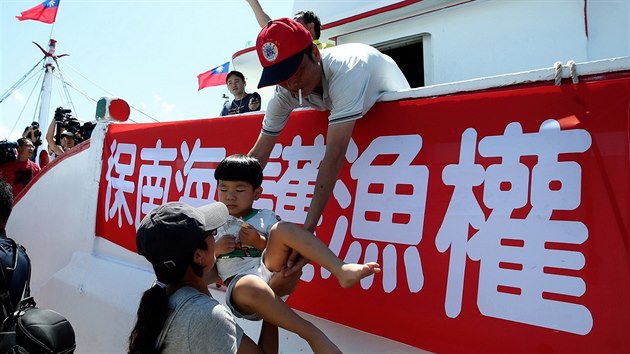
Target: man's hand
x=295, y=263
x=254, y=104
x=284, y=285
x=225, y=244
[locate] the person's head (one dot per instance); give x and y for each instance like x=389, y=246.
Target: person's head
x=310, y=21
x=289, y=57
x=35, y=126
x=6, y=202
x=239, y=180
x=178, y=241
x=174, y=236
x=25, y=148
x=67, y=140
x=235, y=82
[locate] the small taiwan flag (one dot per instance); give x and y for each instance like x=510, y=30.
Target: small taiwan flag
x=45, y=12
x=214, y=77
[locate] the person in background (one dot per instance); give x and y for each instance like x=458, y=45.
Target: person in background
x=346, y=80
x=33, y=133
x=19, y=173
x=308, y=19
x=243, y=102
x=66, y=141
x=178, y=314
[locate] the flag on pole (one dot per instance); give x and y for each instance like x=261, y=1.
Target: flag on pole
x=214, y=77
x=45, y=12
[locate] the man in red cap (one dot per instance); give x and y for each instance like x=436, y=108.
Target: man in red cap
x=346, y=79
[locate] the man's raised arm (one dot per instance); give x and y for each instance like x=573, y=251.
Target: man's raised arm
x=261, y=15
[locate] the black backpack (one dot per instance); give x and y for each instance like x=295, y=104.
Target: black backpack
x=25, y=328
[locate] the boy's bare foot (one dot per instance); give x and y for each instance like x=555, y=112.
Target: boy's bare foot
x=351, y=273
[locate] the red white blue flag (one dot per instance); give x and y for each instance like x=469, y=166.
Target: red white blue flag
x=45, y=12
x=214, y=77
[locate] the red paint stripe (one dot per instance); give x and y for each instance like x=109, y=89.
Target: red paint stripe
x=370, y=13
x=396, y=20
x=243, y=51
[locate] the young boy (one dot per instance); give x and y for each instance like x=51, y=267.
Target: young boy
x=255, y=243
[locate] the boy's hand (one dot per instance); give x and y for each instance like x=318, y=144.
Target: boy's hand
x=225, y=244
x=249, y=236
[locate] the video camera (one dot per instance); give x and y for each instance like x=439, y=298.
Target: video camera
x=8, y=151
x=65, y=121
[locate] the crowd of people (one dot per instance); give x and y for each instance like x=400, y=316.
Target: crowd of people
x=256, y=255
x=22, y=161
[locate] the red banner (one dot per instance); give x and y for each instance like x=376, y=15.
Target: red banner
x=500, y=218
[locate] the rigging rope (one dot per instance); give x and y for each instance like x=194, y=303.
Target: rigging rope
x=107, y=92
x=18, y=83
x=573, y=70
x=24, y=107
x=558, y=72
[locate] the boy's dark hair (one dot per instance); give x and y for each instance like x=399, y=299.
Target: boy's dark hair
x=6, y=200
x=310, y=17
x=240, y=168
x=234, y=73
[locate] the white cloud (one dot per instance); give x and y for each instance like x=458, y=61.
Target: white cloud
x=18, y=97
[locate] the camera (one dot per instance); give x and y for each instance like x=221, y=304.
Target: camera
x=8, y=151
x=65, y=121
x=61, y=114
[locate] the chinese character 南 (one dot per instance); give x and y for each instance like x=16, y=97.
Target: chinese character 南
x=154, y=180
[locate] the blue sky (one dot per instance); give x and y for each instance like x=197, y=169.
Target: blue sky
x=146, y=52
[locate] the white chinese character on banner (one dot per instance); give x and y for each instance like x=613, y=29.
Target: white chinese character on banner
x=293, y=189
x=192, y=180
x=119, y=185
x=154, y=180
x=389, y=207
x=515, y=253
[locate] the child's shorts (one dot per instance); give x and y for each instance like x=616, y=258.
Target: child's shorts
x=262, y=272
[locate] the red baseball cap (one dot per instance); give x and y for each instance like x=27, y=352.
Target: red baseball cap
x=280, y=47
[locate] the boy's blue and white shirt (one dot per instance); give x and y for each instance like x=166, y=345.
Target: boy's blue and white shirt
x=244, y=257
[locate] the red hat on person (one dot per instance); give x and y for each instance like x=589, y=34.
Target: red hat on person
x=280, y=47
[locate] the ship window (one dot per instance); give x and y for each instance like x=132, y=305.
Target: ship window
x=408, y=53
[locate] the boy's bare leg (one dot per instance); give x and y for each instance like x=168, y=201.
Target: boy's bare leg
x=285, y=236
x=251, y=294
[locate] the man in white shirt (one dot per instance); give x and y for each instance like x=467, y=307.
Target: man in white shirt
x=346, y=79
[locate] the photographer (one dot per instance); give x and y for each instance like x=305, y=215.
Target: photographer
x=19, y=173
x=33, y=133
x=59, y=141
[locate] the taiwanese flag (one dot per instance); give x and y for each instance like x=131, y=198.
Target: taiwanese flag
x=214, y=77
x=45, y=12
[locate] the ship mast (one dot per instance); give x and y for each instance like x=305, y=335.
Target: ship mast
x=44, y=107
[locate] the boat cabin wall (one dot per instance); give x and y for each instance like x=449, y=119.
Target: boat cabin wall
x=464, y=40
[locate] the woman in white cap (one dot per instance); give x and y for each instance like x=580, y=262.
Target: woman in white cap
x=178, y=314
